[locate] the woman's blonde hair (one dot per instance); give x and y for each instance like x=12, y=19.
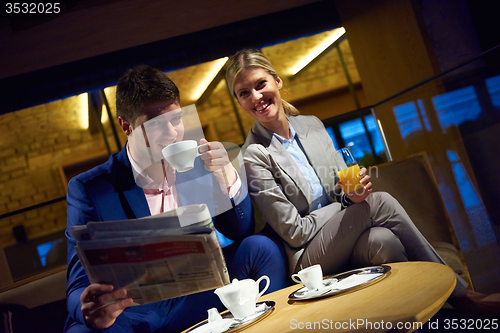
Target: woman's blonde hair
x=253, y=58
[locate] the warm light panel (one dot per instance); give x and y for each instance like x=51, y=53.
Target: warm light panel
x=83, y=110
x=104, y=115
x=314, y=52
x=206, y=77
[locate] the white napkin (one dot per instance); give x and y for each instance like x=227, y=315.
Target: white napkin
x=356, y=280
x=223, y=324
x=218, y=326
x=213, y=315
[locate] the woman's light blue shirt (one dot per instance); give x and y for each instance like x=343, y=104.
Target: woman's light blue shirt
x=294, y=148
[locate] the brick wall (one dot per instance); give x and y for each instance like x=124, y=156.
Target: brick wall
x=36, y=142
x=219, y=111
x=324, y=75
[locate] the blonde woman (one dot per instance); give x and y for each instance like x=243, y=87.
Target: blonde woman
x=293, y=183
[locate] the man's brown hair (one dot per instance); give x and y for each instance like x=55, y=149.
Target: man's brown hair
x=140, y=86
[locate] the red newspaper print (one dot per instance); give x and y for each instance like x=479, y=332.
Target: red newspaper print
x=142, y=253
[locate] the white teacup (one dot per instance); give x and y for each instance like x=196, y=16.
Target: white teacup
x=181, y=155
x=240, y=297
x=311, y=277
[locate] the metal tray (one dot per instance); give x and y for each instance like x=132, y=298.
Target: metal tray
x=240, y=324
x=332, y=288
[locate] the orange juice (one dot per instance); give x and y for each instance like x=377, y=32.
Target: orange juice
x=350, y=178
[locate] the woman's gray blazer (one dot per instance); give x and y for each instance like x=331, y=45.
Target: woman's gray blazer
x=278, y=189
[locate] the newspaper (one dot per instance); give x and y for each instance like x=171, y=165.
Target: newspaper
x=154, y=258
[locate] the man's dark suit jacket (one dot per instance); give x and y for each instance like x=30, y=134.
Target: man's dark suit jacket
x=109, y=192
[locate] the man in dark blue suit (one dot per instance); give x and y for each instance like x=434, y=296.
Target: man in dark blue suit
x=137, y=182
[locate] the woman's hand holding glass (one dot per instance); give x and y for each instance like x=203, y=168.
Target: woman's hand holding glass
x=353, y=181
x=361, y=193
x=101, y=305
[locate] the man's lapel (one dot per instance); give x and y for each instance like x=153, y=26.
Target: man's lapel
x=135, y=200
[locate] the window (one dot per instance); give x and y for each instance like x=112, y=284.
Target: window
x=455, y=107
x=407, y=118
x=493, y=86
x=354, y=134
x=371, y=124
x=359, y=131
x=330, y=132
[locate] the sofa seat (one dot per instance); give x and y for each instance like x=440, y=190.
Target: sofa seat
x=37, y=304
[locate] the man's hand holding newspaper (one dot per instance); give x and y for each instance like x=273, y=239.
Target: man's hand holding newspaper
x=150, y=259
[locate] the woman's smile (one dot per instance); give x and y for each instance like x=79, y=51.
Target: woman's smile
x=263, y=108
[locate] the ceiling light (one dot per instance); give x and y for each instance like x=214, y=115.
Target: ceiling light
x=104, y=114
x=316, y=51
x=83, y=110
x=206, y=78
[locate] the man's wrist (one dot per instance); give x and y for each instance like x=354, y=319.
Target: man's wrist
x=233, y=189
x=228, y=178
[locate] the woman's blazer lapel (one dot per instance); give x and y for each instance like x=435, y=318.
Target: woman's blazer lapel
x=319, y=150
x=286, y=163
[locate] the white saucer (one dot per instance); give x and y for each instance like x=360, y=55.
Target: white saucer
x=342, y=282
x=328, y=283
x=229, y=323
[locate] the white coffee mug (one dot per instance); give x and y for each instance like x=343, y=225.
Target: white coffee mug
x=311, y=277
x=240, y=297
x=181, y=155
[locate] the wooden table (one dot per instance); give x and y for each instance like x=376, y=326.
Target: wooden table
x=411, y=294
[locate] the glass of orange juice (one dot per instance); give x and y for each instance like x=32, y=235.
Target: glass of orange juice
x=349, y=171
